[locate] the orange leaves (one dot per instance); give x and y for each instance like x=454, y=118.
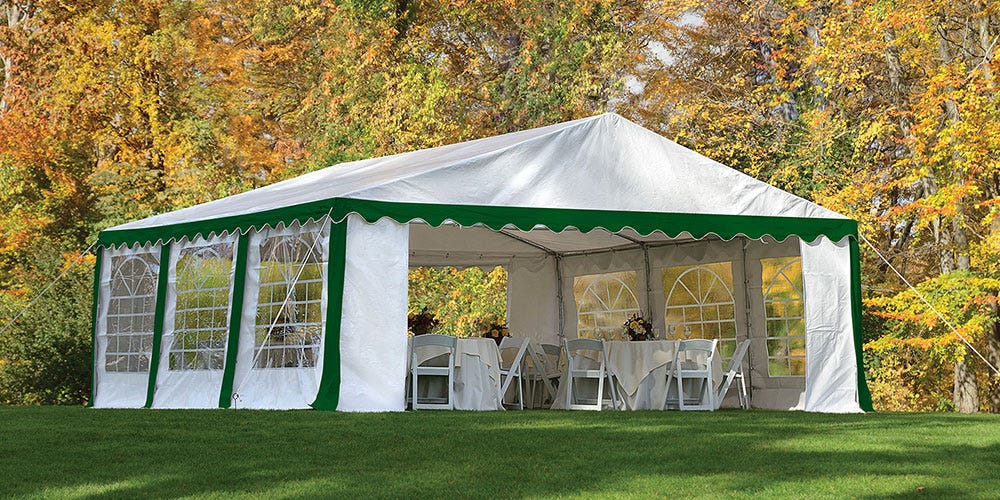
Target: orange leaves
x=926, y=344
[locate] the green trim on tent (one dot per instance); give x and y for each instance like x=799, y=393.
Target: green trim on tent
x=497, y=217
x=161, y=307
x=99, y=252
x=328, y=395
x=864, y=395
x=235, y=320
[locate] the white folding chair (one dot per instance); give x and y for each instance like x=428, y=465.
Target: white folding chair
x=513, y=370
x=576, y=369
x=431, y=368
x=697, y=371
x=536, y=371
x=735, y=371
x=554, y=364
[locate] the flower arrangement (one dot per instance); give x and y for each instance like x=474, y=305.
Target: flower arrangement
x=496, y=332
x=422, y=322
x=638, y=328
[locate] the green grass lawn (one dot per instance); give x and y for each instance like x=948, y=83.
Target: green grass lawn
x=77, y=452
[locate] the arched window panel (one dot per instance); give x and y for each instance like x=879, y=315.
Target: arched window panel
x=201, y=318
x=289, y=320
x=604, y=302
x=130, y=311
x=784, y=315
x=700, y=304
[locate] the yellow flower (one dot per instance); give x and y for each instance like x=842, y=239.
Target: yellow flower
x=633, y=325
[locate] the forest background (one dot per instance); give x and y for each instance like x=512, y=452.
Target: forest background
x=885, y=111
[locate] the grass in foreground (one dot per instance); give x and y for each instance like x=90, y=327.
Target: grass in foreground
x=76, y=452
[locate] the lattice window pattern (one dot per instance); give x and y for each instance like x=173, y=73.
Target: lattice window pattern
x=289, y=324
x=784, y=314
x=700, y=304
x=201, y=320
x=131, y=310
x=604, y=302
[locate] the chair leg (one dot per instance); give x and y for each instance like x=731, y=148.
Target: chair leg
x=711, y=394
x=413, y=391
x=614, y=392
x=680, y=392
x=569, y=390
x=600, y=394
x=744, y=397
x=520, y=393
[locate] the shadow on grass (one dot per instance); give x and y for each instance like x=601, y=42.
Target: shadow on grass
x=74, y=452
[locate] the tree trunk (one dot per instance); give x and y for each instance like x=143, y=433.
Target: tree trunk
x=993, y=353
x=966, y=394
x=954, y=247
x=15, y=14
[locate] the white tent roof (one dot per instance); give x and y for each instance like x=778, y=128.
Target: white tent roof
x=601, y=163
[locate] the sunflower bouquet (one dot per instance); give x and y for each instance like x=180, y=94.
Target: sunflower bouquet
x=638, y=328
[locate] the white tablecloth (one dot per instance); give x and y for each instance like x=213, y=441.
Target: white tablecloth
x=477, y=373
x=640, y=369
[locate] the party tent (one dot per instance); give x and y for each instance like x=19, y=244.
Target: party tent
x=294, y=295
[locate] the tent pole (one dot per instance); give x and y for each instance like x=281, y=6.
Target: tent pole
x=559, y=298
x=645, y=257
x=559, y=294
x=649, y=286
x=746, y=300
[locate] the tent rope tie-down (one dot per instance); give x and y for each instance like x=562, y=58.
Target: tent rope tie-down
x=291, y=289
x=932, y=308
x=48, y=287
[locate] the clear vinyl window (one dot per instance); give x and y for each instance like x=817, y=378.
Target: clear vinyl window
x=289, y=323
x=131, y=310
x=784, y=314
x=604, y=302
x=201, y=319
x=700, y=304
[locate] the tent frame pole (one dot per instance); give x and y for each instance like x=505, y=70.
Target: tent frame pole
x=749, y=317
x=528, y=242
x=559, y=281
x=559, y=299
